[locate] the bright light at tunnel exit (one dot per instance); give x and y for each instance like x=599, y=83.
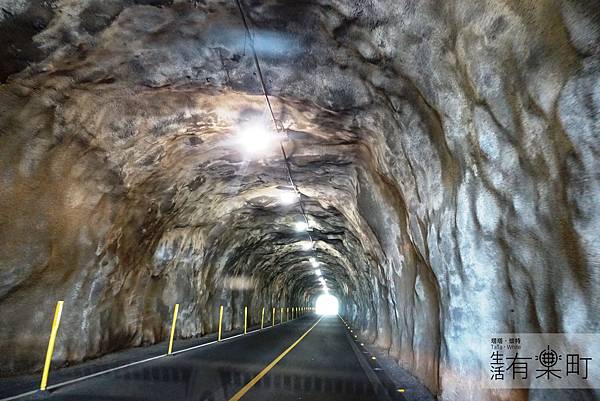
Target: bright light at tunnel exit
x=327, y=305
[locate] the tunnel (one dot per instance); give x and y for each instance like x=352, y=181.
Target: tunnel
x=433, y=166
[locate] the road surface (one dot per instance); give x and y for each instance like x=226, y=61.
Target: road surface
x=311, y=358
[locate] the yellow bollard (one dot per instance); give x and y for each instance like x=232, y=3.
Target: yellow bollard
x=220, y=322
x=173, y=329
x=50, y=351
x=287, y=314
x=281, y=316
x=245, y=319
x=273, y=320
x=262, y=319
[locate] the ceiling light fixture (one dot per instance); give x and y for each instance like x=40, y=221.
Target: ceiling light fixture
x=255, y=138
x=288, y=197
x=301, y=226
x=307, y=245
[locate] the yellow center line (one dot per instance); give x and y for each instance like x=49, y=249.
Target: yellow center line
x=270, y=366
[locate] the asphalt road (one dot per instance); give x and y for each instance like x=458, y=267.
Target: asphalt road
x=323, y=366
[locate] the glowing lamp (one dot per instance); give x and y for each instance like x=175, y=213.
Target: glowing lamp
x=301, y=226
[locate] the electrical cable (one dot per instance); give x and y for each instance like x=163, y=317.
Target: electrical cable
x=275, y=121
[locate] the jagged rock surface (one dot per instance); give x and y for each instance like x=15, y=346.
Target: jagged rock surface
x=448, y=155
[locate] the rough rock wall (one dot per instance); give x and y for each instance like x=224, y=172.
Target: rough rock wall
x=447, y=153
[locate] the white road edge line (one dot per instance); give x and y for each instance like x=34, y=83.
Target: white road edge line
x=381, y=393
x=62, y=384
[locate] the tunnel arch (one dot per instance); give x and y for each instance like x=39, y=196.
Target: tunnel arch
x=426, y=142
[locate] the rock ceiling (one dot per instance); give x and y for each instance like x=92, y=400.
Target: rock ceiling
x=447, y=156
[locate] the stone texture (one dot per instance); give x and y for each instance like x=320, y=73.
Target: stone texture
x=447, y=153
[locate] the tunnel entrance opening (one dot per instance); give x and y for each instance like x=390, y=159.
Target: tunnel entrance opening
x=327, y=305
